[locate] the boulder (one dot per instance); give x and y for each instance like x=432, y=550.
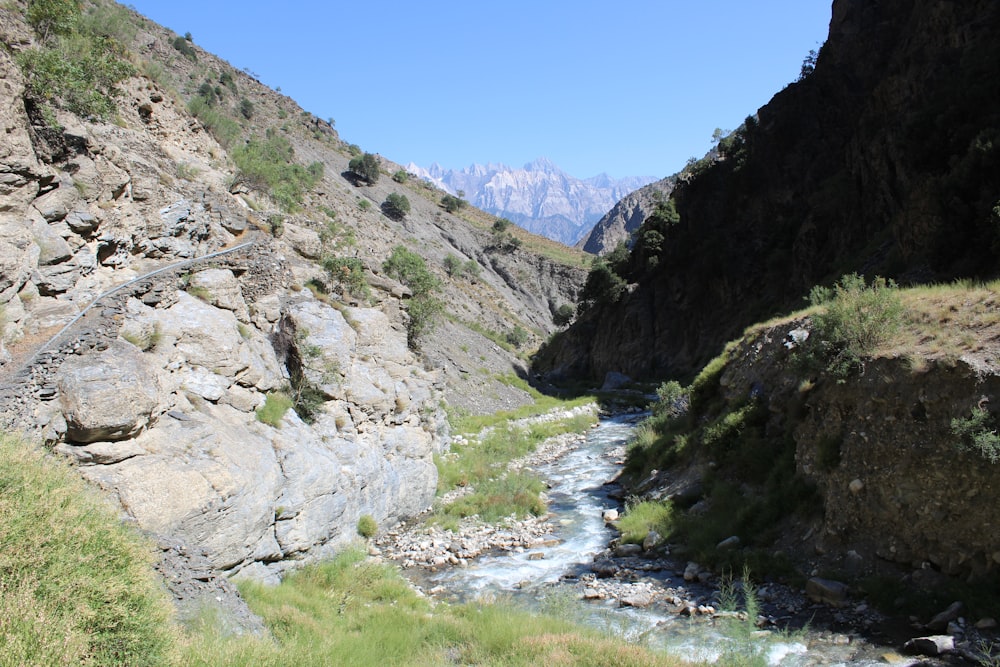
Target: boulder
x=110, y=395
x=941, y=620
x=222, y=290
x=932, y=645
x=827, y=591
x=305, y=241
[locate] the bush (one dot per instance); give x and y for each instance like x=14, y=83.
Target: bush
x=603, y=285
x=185, y=48
x=644, y=517
x=275, y=406
x=423, y=307
x=246, y=108
x=367, y=526
x=452, y=204
x=452, y=265
x=400, y=176
x=365, y=168
x=564, y=315
x=856, y=319
x=268, y=165
x=396, y=206
x=978, y=433
x=349, y=272
x=517, y=336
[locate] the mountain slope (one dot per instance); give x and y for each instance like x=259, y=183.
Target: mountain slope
x=243, y=375
x=883, y=160
x=625, y=217
x=539, y=197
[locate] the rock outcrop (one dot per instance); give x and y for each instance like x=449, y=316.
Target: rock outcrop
x=625, y=217
x=883, y=160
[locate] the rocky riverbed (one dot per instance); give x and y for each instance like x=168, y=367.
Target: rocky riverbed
x=668, y=598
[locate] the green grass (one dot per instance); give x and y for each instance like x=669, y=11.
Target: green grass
x=275, y=406
x=353, y=611
x=76, y=586
x=472, y=424
x=644, y=517
x=482, y=465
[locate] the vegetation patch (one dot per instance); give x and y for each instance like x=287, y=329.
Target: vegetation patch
x=423, y=307
x=268, y=165
x=276, y=404
x=76, y=586
x=643, y=517
x=364, y=613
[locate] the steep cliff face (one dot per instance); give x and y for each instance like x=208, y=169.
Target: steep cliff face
x=189, y=326
x=883, y=160
x=625, y=217
x=895, y=480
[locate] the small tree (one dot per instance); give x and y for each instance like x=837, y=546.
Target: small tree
x=563, y=315
x=365, y=168
x=452, y=204
x=452, y=265
x=396, y=206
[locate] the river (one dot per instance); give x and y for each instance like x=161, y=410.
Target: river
x=640, y=603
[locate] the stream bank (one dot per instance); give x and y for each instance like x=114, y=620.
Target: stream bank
x=569, y=561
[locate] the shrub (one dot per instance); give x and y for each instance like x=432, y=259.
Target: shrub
x=365, y=168
x=349, y=272
x=563, y=315
x=225, y=130
x=185, y=48
x=978, y=433
x=268, y=165
x=364, y=204
x=857, y=318
x=246, y=108
x=603, y=285
x=400, y=176
x=452, y=204
x=396, y=206
x=275, y=406
x=367, y=527
x=517, y=336
x=452, y=265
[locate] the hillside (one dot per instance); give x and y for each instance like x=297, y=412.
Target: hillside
x=881, y=160
x=625, y=217
x=251, y=362
x=539, y=196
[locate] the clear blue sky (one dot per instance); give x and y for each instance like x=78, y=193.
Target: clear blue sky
x=633, y=87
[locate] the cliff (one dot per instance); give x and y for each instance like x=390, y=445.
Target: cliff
x=882, y=160
x=171, y=321
x=626, y=217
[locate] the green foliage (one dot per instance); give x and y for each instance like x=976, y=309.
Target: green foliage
x=603, y=285
x=276, y=404
x=452, y=204
x=400, y=176
x=349, y=272
x=75, y=67
x=518, y=336
x=365, y=168
x=472, y=269
x=646, y=516
x=364, y=204
x=452, y=265
x=76, y=584
x=396, y=206
x=978, y=433
x=354, y=611
x=367, y=526
x=268, y=165
x=564, y=315
x=51, y=18
x=186, y=49
x=855, y=320
x=423, y=307
x=225, y=130
x=500, y=225
x=246, y=108
x=501, y=239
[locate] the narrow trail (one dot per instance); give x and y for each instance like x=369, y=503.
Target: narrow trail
x=27, y=351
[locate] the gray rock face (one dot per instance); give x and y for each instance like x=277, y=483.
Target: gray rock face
x=625, y=217
x=108, y=396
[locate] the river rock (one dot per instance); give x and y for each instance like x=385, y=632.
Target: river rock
x=604, y=568
x=610, y=515
x=691, y=571
x=110, y=395
x=827, y=591
x=627, y=550
x=932, y=645
x=651, y=540
x=728, y=544
x=941, y=620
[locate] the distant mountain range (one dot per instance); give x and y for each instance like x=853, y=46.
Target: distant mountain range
x=540, y=196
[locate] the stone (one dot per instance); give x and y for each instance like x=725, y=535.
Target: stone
x=82, y=222
x=305, y=241
x=941, y=620
x=610, y=515
x=604, y=568
x=856, y=486
x=639, y=599
x=53, y=249
x=627, y=550
x=56, y=204
x=827, y=591
x=651, y=540
x=110, y=395
x=691, y=571
x=986, y=623
x=222, y=290
x=614, y=380
x=728, y=544
x=932, y=645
